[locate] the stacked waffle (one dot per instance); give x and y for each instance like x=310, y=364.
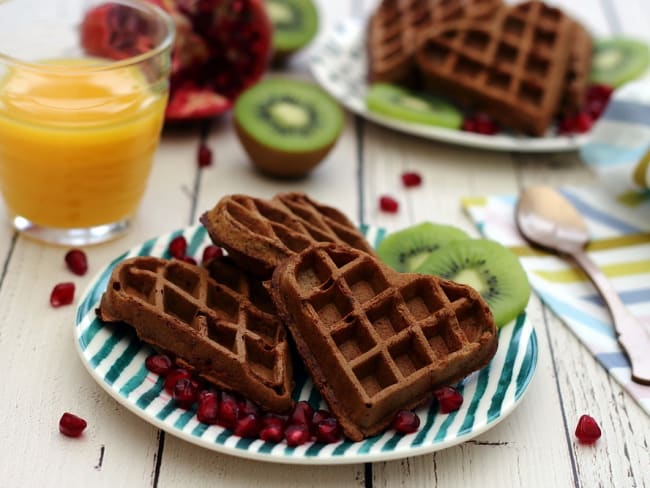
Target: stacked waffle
x=521, y=64
x=375, y=341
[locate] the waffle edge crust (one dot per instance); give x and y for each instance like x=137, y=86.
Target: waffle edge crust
x=377, y=341
x=211, y=327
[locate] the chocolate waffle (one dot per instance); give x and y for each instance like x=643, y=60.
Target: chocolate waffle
x=577, y=77
x=221, y=328
x=377, y=341
x=258, y=234
x=512, y=67
x=394, y=27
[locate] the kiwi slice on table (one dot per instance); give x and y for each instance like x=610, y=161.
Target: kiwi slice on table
x=287, y=126
x=490, y=268
x=408, y=248
x=618, y=60
x=295, y=23
x=410, y=106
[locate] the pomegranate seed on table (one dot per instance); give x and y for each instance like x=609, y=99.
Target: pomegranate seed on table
x=449, y=399
x=587, y=430
x=297, y=434
x=210, y=252
x=62, y=294
x=388, y=204
x=71, y=425
x=411, y=179
x=158, y=363
x=208, y=407
x=328, y=431
x=406, y=422
x=172, y=378
x=178, y=247
x=204, y=156
x=75, y=260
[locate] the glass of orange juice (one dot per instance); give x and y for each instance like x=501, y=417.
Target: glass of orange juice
x=83, y=89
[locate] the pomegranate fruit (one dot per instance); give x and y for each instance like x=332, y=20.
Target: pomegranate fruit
x=587, y=430
x=75, y=260
x=62, y=294
x=71, y=425
x=221, y=48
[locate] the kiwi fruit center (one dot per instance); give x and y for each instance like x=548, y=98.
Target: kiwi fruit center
x=288, y=115
x=284, y=15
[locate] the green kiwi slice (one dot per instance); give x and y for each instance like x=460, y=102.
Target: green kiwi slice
x=618, y=60
x=287, y=126
x=406, y=249
x=295, y=23
x=490, y=268
x=410, y=106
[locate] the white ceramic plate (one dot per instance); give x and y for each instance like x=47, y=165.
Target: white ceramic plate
x=339, y=64
x=116, y=360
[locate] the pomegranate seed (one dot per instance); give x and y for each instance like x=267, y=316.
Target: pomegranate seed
x=328, y=431
x=388, y=204
x=587, y=430
x=178, y=247
x=208, y=408
x=297, y=434
x=71, y=425
x=159, y=364
x=583, y=123
x=599, y=92
x=172, y=378
x=210, y=252
x=411, y=179
x=228, y=410
x=62, y=294
x=247, y=426
x=320, y=415
x=480, y=123
x=272, y=433
x=406, y=422
x=188, y=259
x=76, y=261
x=185, y=392
x=246, y=407
x=301, y=413
x=449, y=399
x=204, y=156
x=469, y=125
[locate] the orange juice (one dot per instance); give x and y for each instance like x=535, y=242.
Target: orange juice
x=76, y=145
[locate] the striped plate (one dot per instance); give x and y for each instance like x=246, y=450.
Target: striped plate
x=339, y=65
x=115, y=358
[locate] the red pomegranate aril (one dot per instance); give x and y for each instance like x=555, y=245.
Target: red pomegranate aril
x=188, y=259
x=320, y=415
x=583, y=123
x=388, y=204
x=172, y=378
x=62, y=294
x=272, y=433
x=485, y=125
x=246, y=407
x=208, y=407
x=599, y=92
x=204, y=156
x=228, y=410
x=75, y=260
x=449, y=399
x=469, y=125
x=247, y=426
x=411, y=179
x=328, y=431
x=178, y=247
x=210, y=252
x=297, y=434
x=158, y=363
x=587, y=430
x=185, y=392
x=406, y=422
x=71, y=425
x=302, y=414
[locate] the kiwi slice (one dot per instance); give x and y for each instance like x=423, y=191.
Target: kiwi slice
x=287, y=126
x=410, y=106
x=295, y=23
x=490, y=268
x=618, y=60
x=408, y=248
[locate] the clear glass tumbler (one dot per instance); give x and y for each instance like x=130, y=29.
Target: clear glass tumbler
x=83, y=89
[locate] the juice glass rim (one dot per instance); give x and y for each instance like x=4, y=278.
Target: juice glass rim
x=164, y=44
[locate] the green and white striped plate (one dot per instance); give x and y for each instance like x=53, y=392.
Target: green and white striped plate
x=116, y=360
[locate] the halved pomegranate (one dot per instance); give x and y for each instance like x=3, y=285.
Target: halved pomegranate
x=221, y=48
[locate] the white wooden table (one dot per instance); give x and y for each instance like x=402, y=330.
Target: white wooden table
x=42, y=375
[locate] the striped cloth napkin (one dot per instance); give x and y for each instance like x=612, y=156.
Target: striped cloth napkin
x=618, y=218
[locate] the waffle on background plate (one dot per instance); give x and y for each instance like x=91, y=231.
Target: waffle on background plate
x=377, y=341
x=216, y=323
x=521, y=64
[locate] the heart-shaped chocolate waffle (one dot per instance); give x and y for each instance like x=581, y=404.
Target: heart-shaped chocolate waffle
x=377, y=341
